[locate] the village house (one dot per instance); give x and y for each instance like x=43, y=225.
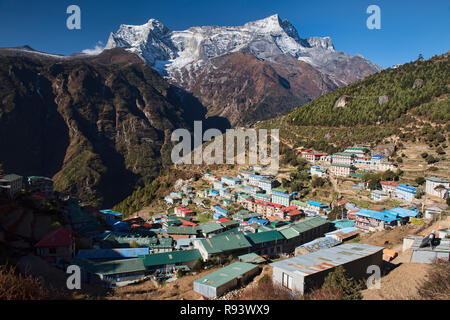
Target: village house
x=169, y=261
x=304, y=273
x=389, y=187
x=290, y=214
x=437, y=187
x=56, y=245
x=300, y=232
x=41, y=184
x=318, y=171
x=371, y=220
x=434, y=211
x=112, y=273
x=378, y=195
x=313, y=156
x=223, y=245
x=267, y=242
x=183, y=212
x=316, y=208
x=11, y=185
x=221, y=281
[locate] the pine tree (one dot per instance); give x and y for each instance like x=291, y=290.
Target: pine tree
x=340, y=280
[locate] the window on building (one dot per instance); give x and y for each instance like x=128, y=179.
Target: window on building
x=287, y=281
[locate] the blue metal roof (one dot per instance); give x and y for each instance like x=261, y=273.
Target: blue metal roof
x=112, y=253
x=402, y=212
x=343, y=230
x=404, y=187
x=317, y=204
x=383, y=216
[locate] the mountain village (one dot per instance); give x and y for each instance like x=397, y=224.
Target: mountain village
x=242, y=223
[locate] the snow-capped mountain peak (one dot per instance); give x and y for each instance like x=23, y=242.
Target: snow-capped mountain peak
x=167, y=51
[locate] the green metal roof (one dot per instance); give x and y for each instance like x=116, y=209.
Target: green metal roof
x=341, y=165
x=298, y=203
x=302, y=226
x=265, y=236
x=210, y=227
x=110, y=267
x=173, y=257
x=251, y=258
x=234, y=230
x=226, y=242
x=226, y=274
x=182, y=230
x=230, y=223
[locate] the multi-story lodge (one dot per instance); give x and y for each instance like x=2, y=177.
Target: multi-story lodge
x=264, y=208
x=405, y=192
x=282, y=197
x=343, y=158
x=437, y=187
x=357, y=151
x=342, y=170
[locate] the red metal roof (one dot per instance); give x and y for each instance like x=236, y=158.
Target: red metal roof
x=224, y=219
x=389, y=183
x=59, y=238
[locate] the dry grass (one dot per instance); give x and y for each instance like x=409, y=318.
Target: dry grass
x=436, y=286
x=14, y=286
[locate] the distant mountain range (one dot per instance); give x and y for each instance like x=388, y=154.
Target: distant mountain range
x=247, y=73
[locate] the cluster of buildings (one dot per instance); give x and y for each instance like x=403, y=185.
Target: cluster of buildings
x=345, y=164
x=12, y=184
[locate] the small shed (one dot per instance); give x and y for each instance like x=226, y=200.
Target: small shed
x=219, y=282
x=440, y=249
x=251, y=258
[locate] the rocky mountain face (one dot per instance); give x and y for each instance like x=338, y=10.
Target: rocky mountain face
x=98, y=125
x=226, y=68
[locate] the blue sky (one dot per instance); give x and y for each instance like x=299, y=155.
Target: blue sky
x=408, y=28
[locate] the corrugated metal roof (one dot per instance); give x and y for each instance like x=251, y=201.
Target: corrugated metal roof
x=112, y=253
x=225, y=242
x=266, y=236
x=110, y=267
x=172, y=257
x=326, y=258
x=319, y=244
x=226, y=274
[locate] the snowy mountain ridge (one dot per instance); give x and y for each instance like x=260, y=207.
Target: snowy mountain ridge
x=168, y=51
